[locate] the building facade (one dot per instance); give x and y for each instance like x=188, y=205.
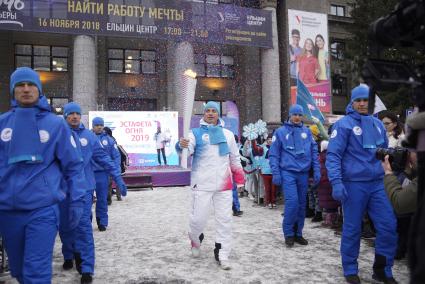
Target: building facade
x=142, y=74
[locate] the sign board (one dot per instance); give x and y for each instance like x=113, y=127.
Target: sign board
x=157, y=19
x=135, y=132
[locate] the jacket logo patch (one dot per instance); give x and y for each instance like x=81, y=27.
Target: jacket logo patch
x=104, y=142
x=287, y=136
x=73, y=142
x=273, y=138
x=334, y=133
x=357, y=130
x=6, y=134
x=303, y=135
x=44, y=136
x=205, y=137
x=83, y=141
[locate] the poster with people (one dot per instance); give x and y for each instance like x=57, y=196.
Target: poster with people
x=142, y=134
x=309, y=56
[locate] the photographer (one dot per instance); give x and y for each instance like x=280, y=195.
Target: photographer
x=402, y=192
x=403, y=198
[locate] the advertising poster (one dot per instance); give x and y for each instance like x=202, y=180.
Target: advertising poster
x=136, y=131
x=309, y=56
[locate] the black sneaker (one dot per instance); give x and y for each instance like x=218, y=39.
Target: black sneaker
x=301, y=241
x=238, y=213
x=78, y=261
x=352, y=279
x=102, y=228
x=386, y=280
x=289, y=241
x=217, y=252
x=68, y=264
x=86, y=278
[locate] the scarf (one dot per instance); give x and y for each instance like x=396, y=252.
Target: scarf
x=371, y=137
x=295, y=141
x=25, y=145
x=216, y=134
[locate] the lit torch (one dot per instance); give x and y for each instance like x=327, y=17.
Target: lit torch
x=189, y=87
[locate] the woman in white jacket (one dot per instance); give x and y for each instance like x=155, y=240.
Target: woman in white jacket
x=216, y=163
x=394, y=129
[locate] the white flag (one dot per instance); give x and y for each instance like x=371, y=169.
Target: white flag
x=379, y=105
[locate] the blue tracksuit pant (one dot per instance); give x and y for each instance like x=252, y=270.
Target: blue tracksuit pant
x=295, y=192
x=367, y=196
x=80, y=240
x=67, y=236
x=236, y=205
x=29, y=237
x=102, y=184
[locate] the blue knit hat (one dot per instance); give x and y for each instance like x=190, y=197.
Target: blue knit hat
x=213, y=105
x=70, y=108
x=98, y=121
x=360, y=92
x=296, y=109
x=25, y=74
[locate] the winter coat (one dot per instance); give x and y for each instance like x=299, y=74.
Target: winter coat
x=346, y=158
x=111, y=148
x=92, y=149
x=264, y=162
x=210, y=171
x=325, y=189
x=283, y=157
x=28, y=186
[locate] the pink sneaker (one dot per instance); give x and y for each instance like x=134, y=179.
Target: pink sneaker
x=196, y=249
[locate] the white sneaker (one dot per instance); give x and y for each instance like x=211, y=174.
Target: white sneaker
x=196, y=252
x=225, y=265
x=270, y=206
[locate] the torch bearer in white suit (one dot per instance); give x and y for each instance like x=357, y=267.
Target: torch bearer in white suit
x=188, y=97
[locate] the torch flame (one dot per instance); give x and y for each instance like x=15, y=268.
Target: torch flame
x=190, y=73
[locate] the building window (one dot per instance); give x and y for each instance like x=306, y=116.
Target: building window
x=218, y=66
x=338, y=49
x=339, y=85
x=132, y=61
x=42, y=57
x=338, y=10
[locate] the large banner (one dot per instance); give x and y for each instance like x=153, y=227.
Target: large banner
x=135, y=132
x=309, y=56
x=159, y=19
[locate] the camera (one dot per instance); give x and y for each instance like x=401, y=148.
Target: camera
x=397, y=157
x=403, y=26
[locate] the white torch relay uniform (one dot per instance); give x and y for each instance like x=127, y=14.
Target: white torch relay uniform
x=212, y=179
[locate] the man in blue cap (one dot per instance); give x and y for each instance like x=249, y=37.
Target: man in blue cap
x=101, y=173
x=78, y=244
x=38, y=152
x=292, y=155
x=356, y=176
x=216, y=165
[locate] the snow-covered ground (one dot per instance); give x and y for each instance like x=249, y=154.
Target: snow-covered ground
x=146, y=242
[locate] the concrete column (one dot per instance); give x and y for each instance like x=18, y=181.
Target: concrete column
x=270, y=78
x=84, y=73
x=171, y=62
x=183, y=60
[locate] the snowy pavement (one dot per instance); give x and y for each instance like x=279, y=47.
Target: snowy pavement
x=146, y=242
